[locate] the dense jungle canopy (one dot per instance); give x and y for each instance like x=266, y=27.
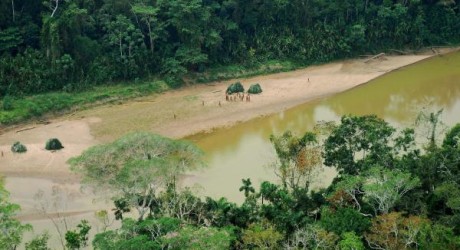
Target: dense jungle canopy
x=72, y=44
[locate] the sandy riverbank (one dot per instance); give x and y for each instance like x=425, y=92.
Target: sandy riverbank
x=183, y=112
x=175, y=114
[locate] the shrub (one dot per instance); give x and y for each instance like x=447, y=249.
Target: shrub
x=7, y=103
x=255, y=89
x=53, y=144
x=18, y=148
x=236, y=87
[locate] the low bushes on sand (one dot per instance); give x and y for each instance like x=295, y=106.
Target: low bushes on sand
x=18, y=148
x=255, y=89
x=53, y=144
x=236, y=87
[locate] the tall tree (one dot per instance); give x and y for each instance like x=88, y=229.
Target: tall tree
x=135, y=166
x=299, y=159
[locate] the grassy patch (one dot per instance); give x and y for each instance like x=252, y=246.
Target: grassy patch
x=219, y=73
x=21, y=109
x=14, y=110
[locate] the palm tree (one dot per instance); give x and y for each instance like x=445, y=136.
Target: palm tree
x=247, y=187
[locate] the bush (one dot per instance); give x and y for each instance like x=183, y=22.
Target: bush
x=18, y=148
x=53, y=144
x=7, y=103
x=236, y=87
x=255, y=89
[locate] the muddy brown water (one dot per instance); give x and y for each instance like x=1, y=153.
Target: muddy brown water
x=244, y=151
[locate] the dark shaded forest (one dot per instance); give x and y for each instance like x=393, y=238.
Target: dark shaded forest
x=70, y=45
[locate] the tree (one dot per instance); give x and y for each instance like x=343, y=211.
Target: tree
x=349, y=189
x=430, y=123
x=199, y=238
x=193, y=29
x=40, y=242
x=351, y=241
x=344, y=220
x=135, y=166
x=11, y=229
x=299, y=159
x=247, y=187
x=452, y=138
x=127, y=38
x=312, y=237
x=78, y=239
x=261, y=236
x=146, y=234
x=383, y=187
x=149, y=15
x=358, y=143
x=393, y=231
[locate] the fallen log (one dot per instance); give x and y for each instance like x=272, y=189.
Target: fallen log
x=401, y=52
x=374, y=57
x=25, y=129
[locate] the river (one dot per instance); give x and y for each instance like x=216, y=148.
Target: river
x=244, y=151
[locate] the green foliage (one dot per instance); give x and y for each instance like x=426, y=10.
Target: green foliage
x=7, y=103
x=135, y=166
x=278, y=216
x=344, y=220
x=452, y=138
x=299, y=159
x=79, y=45
x=199, y=238
x=312, y=237
x=10, y=38
x=11, y=229
x=53, y=144
x=40, y=242
x=236, y=87
x=77, y=239
x=18, y=148
x=383, y=187
x=36, y=105
x=261, y=236
x=163, y=233
x=351, y=241
x=247, y=187
x=358, y=143
x=255, y=89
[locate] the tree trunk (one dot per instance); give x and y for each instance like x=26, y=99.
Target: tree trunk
x=55, y=7
x=121, y=49
x=150, y=35
x=12, y=8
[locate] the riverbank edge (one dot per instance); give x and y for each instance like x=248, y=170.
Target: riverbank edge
x=118, y=93
x=296, y=102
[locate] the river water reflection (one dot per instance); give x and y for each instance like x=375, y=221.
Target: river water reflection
x=244, y=151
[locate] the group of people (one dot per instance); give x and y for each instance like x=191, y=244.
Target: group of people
x=240, y=96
